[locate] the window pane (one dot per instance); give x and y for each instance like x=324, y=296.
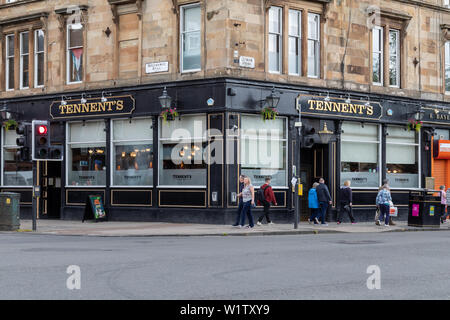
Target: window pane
x=40, y=69
x=294, y=23
x=135, y=129
x=191, y=51
x=25, y=73
x=92, y=131
x=133, y=164
x=376, y=75
x=15, y=173
x=393, y=72
x=274, y=53
x=192, y=20
x=313, y=26
x=447, y=78
x=75, y=35
x=10, y=45
x=400, y=135
x=185, y=127
x=76, y=65
x=313, y=58
x=11, y=73
x=393, y=42
x=39, y=40
x=294, y=58
x=24, y=45
x=274, y=19
x=376, y=40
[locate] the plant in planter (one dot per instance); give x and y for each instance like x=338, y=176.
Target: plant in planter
x=269, y=113
x=169, y=114
x=414, y=125
x=10, y=124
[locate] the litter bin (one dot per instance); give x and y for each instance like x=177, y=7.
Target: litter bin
x=424, y=209
x=9, y=211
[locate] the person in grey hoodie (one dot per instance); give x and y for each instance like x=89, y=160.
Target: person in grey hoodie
x=324, y=197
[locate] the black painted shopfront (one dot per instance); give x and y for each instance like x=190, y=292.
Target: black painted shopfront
x=186, y=170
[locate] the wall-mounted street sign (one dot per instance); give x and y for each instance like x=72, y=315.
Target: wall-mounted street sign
x=156, y=67
x=247, y=62
x=94, y=107
x=337, y=107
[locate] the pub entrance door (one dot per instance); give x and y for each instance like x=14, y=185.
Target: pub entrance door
x=51, y=190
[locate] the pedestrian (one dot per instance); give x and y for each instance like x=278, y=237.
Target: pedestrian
x=345, y=201
x=444, y=200
x=324, y=197
x=248, y=199
x=239, y=210
x=269, y=198
x=383, y=200
x=313, y=204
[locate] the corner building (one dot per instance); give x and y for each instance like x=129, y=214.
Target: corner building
x=360, y=72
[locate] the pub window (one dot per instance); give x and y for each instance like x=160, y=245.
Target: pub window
x=295, y=42
x=402, y=158
x=132, y=146
x=275, y=39
x=190, y=38
x=360, y=150
x=9, y=74
x=447, y=66
x=24, y=60
x=394, y=58
x=313, y=45
x=181, y=156
x=264, y=150
x=86, y=153
x=377, y=55
x=38, y=58
x=15, y=172
x=74, y=53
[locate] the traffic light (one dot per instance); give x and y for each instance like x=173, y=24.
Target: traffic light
x=23, y=142
x=42, y=147
x=307, y=139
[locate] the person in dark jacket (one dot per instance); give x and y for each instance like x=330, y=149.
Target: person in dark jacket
x=241, y=203
x=345, y=201
x=324, y=197
x=269, y=199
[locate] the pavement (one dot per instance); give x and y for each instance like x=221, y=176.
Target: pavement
x=149, y=229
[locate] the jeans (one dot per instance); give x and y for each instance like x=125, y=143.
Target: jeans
x=247, y=210
x=323, y=210
x=384, y=213
x=444, y=214
x=314, y=214
x=238, y=213
x=266, y=212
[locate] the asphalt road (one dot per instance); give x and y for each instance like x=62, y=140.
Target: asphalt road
x=413, y=265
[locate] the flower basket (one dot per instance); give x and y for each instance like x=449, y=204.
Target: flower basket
x=169, y=114
x=269, y=113
x=10, y=124
x=414, y=125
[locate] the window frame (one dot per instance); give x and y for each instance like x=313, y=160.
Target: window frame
x=299, y=40
x=279, y=37
x=397, y=56
x=7, y=62
x=317, y=41
x=23, y=56
x=112, y=141
x=182, y=36
x=36, y=54
x=381, y=53
x=446, y=65
x=68, y=48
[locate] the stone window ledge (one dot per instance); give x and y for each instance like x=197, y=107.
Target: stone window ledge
x=17, y=3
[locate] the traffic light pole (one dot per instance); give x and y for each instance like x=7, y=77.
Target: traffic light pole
x=35, y=183
x=298, y=126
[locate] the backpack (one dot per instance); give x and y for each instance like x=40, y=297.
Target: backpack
x=260, y=195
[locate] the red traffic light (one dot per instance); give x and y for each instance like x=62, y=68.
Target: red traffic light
x=42, y=130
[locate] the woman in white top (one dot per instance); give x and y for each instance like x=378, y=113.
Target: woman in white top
x=248, y=198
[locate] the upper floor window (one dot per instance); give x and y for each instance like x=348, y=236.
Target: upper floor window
x=394, y=58
x=447, y=66
x=74, y=53
x=9, y=74
x=10, y=1
x=275, y=39
x=377, y=55
x=190, y=26
x=313, y=45
x=447, y=3
x=24, y=60
x=295, y=42
x=39, y=53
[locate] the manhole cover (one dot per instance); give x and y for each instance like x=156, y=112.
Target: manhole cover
x=358, y=242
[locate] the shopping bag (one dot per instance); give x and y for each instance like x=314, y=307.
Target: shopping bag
x=393, y=211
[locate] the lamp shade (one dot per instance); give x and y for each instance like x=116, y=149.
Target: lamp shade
x=325, y=134
x=165, y=100
x=273, y=99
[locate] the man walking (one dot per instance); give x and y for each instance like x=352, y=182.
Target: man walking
x=324, y=197
x=269, y=198
x=241, y=203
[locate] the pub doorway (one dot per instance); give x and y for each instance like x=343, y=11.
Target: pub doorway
x=51, y=190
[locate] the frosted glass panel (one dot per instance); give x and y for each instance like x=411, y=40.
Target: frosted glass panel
x=193, y=126
x=359, y=152
x=354, y=131
x=91, y=131
x=400, y=154
x=137, y=129
x=400, y=135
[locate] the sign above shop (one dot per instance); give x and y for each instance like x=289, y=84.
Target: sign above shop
x=441, y=149
x=93, y=107
x=338, y=107
x=436, y=115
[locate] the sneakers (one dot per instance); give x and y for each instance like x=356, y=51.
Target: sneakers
x=235, y=225
x=338, y=222
x=248, y=227
x=324, y=224
x=386, y=225
x=309, y=221
x=258, y=223
x=377, y=222
x=271, y=223
x=353, y=222
x=316, y=221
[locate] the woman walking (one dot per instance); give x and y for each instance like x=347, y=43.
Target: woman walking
x=444, y=214
x=345, y=200
x=248, y=199
x=313, y=203
x=383, y=200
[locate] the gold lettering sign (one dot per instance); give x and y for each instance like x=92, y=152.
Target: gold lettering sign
x=94, y=107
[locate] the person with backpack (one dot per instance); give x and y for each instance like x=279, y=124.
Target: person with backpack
x=313, y=204
x=265, y=197
x=324, y=197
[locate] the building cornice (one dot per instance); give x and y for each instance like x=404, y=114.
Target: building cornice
x=425, y=5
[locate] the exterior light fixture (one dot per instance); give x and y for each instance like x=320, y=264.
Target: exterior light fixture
x=165, y=100
x=348, y=99
x=83, y=99
x=327, y=98
x=63, y=101
x=104, y=99
x=367, y=104
x=325, y=134
x=273, y=99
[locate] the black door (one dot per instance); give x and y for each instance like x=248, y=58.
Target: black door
x=51, y=190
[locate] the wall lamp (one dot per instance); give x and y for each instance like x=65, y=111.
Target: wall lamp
x=325, y=134
x=104, y=99
x=273, y=99
x=64, y=100
x=165, y=100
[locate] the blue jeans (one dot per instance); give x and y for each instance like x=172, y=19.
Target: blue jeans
x=314, y=214
x=323, y=210
x=384, y=213
x=238, y=213
x=247, y=210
